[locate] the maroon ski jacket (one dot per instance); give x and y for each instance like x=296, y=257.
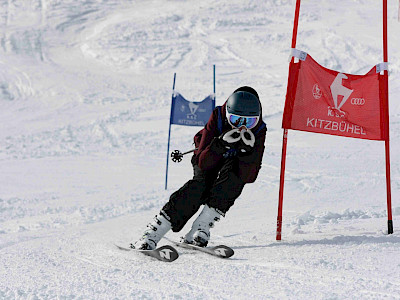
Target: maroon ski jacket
x=248, y=166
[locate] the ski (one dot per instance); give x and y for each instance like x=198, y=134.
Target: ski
x=219, y=251
x=164, y=253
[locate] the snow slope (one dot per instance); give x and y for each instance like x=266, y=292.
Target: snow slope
x=85, y=91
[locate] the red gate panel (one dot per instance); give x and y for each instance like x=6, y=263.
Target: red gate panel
x=326, y=101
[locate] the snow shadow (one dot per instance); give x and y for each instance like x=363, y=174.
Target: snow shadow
x=338, y=240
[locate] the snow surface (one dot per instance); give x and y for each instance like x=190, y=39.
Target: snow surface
x=85, y=91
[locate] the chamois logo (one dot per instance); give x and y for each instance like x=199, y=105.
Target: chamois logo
x=337, y=89
x=193, y=109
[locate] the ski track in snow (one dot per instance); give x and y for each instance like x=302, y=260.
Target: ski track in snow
x=85, y=91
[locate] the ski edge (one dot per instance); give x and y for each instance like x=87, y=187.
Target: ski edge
x=221, y=251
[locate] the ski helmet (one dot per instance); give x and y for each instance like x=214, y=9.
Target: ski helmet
x=244, y=102
x=243, y=108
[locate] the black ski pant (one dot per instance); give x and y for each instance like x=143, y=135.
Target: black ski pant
x=218, y=188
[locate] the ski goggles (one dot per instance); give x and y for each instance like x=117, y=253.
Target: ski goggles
x=239, y=121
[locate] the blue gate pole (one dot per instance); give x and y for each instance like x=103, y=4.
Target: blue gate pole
x=169, y=131
x=215, y=97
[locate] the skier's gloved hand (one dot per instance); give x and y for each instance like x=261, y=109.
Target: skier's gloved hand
x=224, y=144
x=218, y=146
x=230, y=153
x=222, y=148
x=243, y=149
x=248, y=137
x=232, y=136
x=246, y=144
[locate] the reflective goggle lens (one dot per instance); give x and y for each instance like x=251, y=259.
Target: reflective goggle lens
x=239, y=121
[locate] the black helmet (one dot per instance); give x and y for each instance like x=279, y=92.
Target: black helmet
x=244, y=102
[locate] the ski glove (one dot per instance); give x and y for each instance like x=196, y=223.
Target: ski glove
x=232, y=136
x=234, y=142
x=224, y=144
x=248, y=137
x=218, y=146
x=230, y=139
x=246, y=143
x=230, y=153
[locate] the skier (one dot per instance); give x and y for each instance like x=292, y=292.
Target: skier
x=228, y=155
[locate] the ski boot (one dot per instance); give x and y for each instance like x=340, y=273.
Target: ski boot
x=156, y=230
x=200, y=232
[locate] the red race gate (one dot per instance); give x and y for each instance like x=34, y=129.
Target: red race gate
x=325, y=101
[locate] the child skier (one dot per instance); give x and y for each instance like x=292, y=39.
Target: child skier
x=228, y=155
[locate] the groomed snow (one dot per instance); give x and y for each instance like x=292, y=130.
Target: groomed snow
x=85, y=93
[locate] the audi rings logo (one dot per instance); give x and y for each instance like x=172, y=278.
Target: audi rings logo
x=357, y=101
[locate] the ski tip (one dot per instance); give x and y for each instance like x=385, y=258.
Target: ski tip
x=123, y=248
x=223, y=251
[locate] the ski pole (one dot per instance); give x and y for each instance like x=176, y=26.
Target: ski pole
x=177, y=155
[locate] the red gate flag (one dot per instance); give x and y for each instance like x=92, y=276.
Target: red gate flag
x=326, y=101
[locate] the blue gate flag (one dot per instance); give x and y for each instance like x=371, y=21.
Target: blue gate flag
x=189, y=113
